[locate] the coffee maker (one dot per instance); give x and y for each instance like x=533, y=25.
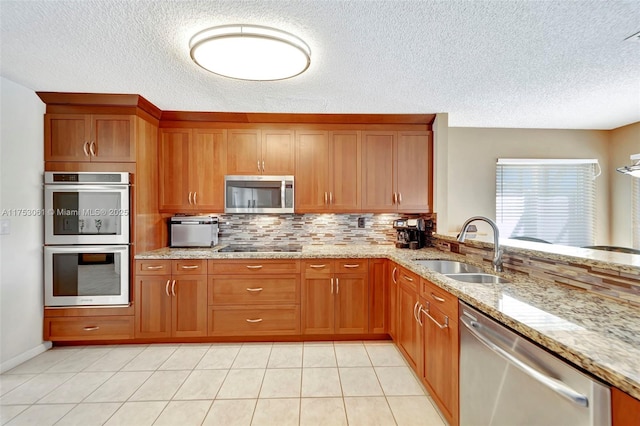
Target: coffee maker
x=410, y=233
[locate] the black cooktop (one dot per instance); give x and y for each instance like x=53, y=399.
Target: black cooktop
x=239, y=248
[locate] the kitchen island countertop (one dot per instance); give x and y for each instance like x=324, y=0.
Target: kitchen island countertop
x=596, y=333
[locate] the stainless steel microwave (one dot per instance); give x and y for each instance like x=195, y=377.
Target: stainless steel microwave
x=258, y=194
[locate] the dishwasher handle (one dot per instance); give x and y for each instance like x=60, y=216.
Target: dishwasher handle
x=553, y=384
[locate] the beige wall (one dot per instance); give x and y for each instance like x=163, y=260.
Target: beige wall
x=472, y=167
x=624, y=142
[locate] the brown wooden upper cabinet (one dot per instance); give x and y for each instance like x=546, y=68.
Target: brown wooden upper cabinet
x=260, y=152
x=192, y=169
x=87, y=137
x=328, y=177
x=397, y=171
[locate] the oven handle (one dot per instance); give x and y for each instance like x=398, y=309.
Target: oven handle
x=83, y=188
x=553, y=384
x=86, y=249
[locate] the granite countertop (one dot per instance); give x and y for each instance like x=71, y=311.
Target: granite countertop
x=598, y=334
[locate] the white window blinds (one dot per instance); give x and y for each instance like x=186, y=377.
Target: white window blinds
x=635, y=212
x=550, y=200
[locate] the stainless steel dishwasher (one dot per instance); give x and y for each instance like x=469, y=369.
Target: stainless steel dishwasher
x=508, y=380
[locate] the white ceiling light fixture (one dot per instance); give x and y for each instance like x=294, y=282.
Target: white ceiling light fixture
x=633, y=170
x=250, y=52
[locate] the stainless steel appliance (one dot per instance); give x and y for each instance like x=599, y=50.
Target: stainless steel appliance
x=410, y=233
x=258, y=194
x=86, y=253
x=508, y=380
x=86, y=275
x=193, y=231
x=86, y=208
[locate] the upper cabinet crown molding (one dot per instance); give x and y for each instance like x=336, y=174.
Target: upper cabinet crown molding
x=107, y=103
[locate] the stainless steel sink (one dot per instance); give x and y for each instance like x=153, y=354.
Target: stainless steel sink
x=478, y=278
x=448, y=266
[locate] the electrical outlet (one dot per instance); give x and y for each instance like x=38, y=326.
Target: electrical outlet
x=5, y=226
x=361, y=222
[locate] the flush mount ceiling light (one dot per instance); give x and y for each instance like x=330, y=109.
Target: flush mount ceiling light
x=250, y=52
x=633, y=170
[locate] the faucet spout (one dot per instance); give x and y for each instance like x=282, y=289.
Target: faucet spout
x=497, y=251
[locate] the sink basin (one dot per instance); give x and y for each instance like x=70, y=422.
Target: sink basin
x=478, y=278
x=448, y=266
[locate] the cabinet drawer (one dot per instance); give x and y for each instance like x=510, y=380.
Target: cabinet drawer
x=88, y=328
x=189, y=266
x=318, y=267
x=254, y=290
x=255, y=321
x=153, y=267
x=408, y=279
x=251, y=266
x=351, y=266
x=439, y=298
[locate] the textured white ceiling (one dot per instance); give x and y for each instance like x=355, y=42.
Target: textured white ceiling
x=522, y=64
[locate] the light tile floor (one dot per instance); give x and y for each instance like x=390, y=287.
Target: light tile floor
x=327, y=383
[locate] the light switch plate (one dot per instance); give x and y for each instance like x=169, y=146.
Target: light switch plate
x=5, y=226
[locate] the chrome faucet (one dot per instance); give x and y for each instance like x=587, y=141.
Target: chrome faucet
x=497, y=252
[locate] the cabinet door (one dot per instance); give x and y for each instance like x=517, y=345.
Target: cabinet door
x=414, y=172
x=278, y=152
x=352, y=304
x=152, y=306
x=317, y=306
x=174, y=169
x=378, y=296
x=378, y=171
x=392, y=289
x=312, y=174
x=345, y=171
x=440, y=368
x=243, y=152
x=207, y=167
x=408, y=328
x=113, y=138
x=189, y=306
x=67, y=137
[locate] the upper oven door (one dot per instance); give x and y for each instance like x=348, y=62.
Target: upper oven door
x=258, y=194
x=86, y=214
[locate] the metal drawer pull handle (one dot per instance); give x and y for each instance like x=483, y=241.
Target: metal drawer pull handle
x=263, y=165
x=254, y=266
x=258, y=165
x=446, y=318
x=91, y=328
x=439, y=299
x=190, y=267
x=254, y=289
x=85, y=149
x=351, y=266
x=92, y=148
x=393, y=275
x=195, y=197
x=317, y=266
x=337, y=285
x=399, y=197
x=331, y=285
x=190, y=198
x=415, y=309
x=330, y=197
x=154, y=267
x=555, y=385
x=408, y=278
x=325, y=198
x=254, y=320
x=173, y=287
x=166, y=288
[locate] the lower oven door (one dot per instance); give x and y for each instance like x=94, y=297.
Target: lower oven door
x=86, y=275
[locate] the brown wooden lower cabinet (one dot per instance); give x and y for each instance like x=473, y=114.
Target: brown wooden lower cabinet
x=392, y=299
x=438, y=316
x=409, y=335
x=335, y=303
x=378, y=296
x=254, y=320
x=170, y=305
x=625, y=409
x=61, y=329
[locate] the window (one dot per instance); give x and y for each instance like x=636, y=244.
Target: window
x=550, y=200
x=635, y=212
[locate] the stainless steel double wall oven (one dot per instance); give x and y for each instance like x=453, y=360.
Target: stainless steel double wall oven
x=86, y=252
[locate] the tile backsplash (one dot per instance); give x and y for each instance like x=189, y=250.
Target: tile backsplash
x=283, y=229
